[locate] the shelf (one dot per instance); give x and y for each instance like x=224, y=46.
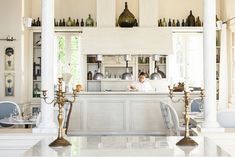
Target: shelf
x=37, y=47
x=36, y=80
x=218, y=47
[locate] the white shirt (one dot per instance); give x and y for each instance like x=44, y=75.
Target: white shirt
x=142, y=87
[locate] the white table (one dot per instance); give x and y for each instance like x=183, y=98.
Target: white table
x=12, y=121
x=196, y=118
x=140, y=146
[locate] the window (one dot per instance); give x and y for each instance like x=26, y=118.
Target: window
x=188, y=58
x=68, y=58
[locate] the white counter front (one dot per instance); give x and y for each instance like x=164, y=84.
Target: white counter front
x=119, y=113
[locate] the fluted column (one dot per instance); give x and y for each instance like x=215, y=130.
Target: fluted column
x=209, y=50
x=47, y=124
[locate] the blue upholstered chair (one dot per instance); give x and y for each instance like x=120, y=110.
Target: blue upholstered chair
x=195, y=105
x=6, y=109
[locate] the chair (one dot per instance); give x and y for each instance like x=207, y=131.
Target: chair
x=67, y=112
x=195, y=105
x=170, y=118
x=7, y=108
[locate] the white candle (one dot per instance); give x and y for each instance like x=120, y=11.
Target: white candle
x=202, y=84
x=171, y=83
x=186, y=88
x=63, y=86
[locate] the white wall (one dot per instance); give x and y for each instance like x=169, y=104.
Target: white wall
x=11, y=21
x=227, y=10
x=178, y=9
x=68, y=8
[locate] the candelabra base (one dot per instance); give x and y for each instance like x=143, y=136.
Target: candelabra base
x=186, y=141
x=60, y=142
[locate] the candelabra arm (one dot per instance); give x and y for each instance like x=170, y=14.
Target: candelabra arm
x=171, y=95
x=45, y=100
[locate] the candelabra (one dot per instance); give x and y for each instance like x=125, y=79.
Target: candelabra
x=60, y=100
x=186, y=141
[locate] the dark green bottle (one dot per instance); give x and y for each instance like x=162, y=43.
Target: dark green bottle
x=169, y=23
x=77, y=22
x=173, y=23
x=178, y=23
x=82, y=23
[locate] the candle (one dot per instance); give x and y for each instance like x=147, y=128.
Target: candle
x=202, y=85
x=186, y=88
x=171, y=83
x=63, y=86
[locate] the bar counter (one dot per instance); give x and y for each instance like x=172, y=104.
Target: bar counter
x=120, y=113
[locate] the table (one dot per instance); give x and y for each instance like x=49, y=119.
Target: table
x=196, y=118
x=163, y=146
x=12, y=121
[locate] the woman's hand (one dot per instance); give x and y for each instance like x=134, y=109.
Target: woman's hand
x=132, y=88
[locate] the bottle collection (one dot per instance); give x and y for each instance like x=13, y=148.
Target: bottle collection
x=190, y=21
x=89, y=22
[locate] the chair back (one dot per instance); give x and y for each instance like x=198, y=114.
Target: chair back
x=170, y=117
x=195, y=105
x=166, y=116
x=6, y=109
x=67, y=112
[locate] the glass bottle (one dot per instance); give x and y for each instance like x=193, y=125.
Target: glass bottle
x=198, y=22
x=191, y=19
x=178, y=23
x=69, y=22
x=36, y=91
x=160, y=23
x=77, y=22
x=63, y=23
x=74, y=22
x=89, y=75
x=183, y=23
x=60, y=23
x=34, y=22
x=169, y=23
x=82, y=23
x=89, y=21
x=38, y=23
x=173, y=23
x=164, y=24
x=126, y=19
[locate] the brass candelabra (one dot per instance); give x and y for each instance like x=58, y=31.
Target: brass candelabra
x=60, y=100
x=187, y=140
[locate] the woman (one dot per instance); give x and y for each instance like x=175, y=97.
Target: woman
x=142, y=85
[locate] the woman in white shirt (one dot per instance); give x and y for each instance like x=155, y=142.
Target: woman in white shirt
x=142, y=85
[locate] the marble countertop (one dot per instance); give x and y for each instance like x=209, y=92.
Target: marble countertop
x=162, y=146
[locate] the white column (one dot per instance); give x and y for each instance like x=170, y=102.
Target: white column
x=209, y=50
x=47, y=124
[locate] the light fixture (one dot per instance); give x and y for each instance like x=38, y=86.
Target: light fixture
x=127, y=75
x=220, y=23
x=98, y=75
x=155, y=75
